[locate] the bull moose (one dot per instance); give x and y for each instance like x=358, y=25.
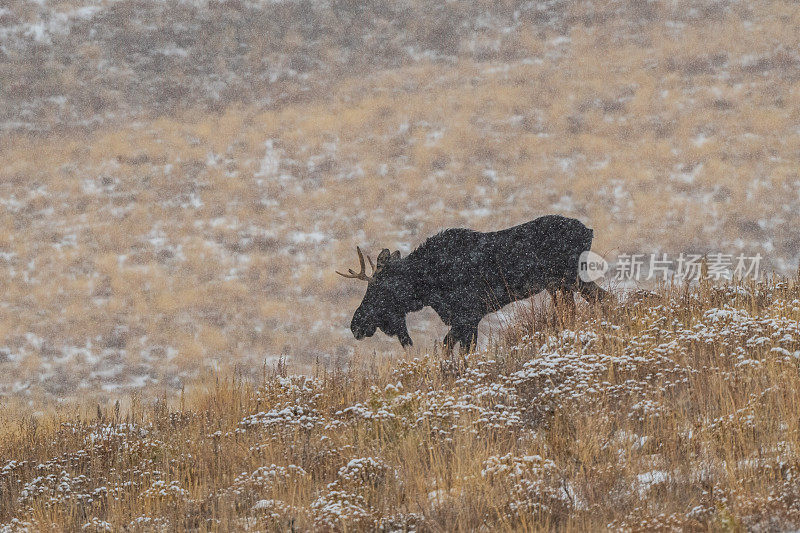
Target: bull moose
x=465, y=275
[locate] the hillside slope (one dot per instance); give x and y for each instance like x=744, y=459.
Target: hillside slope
x=179, y=180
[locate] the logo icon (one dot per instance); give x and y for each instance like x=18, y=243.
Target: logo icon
x=591, y=267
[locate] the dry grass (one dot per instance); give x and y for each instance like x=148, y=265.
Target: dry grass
x=175, y=196
x=674, y=413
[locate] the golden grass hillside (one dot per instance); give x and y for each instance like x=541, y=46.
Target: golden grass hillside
x=677, y=411
x=139, y=248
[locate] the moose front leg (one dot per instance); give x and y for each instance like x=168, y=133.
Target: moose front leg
x=468, y=339
x=464, y=335
x=405, y=341
x=403, y=336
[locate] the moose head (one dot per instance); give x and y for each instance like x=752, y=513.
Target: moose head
x=384, y=305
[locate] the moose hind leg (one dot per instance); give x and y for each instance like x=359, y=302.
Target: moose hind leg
x=592, y=292
x=562, y=313
x=450, y=340
x=554, y=297
x=569, y=301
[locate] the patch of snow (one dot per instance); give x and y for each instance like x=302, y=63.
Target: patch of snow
x=647, y=480
x=271, y=161
x=299, y=237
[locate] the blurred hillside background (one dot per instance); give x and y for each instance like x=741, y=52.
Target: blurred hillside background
x=179, y=179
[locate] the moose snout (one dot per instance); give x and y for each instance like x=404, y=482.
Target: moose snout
x=360, y=331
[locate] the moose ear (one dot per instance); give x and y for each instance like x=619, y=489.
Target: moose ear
x=395, y=255
x=383, y=259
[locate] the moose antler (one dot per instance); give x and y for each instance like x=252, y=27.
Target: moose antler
x=360, y=275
